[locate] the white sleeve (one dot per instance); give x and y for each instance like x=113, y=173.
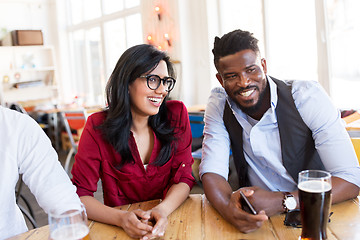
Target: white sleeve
x=216, y=143
x=331, y=138
x=42, y=171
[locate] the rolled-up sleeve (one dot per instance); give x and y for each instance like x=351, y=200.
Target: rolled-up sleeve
x=331, y=138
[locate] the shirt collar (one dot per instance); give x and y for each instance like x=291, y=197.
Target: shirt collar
x=273, y=92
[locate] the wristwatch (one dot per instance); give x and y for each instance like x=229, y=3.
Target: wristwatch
x=289, y=202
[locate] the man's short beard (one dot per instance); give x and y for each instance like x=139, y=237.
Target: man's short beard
x=255, y=108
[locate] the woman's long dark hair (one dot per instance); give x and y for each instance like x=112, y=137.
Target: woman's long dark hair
x=133, y=63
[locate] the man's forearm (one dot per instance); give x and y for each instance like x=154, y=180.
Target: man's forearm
x=343, y=190
x=217, y=190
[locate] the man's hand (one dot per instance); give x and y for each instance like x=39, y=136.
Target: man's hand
x=270, y=202
x=228, y=204
x=243, y=221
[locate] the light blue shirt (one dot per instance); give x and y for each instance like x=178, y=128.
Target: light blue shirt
x=262, y=148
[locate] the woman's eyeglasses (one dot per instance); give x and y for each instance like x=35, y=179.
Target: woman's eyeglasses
x=153, y=82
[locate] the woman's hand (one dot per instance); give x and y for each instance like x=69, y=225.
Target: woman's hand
x=159, y=217
x=135, y=224
x=174, y=198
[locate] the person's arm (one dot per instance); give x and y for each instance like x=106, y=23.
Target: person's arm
x=41, y=169
x=216, y=142
x=176, y=195
x=130, y=221
x=214, y=168
x=272, y=202
x=227, y=203
x=332, y=142
x=343, y=190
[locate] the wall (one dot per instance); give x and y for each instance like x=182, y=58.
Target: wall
x=186, y=23
x=27, y=14
x=32, y=15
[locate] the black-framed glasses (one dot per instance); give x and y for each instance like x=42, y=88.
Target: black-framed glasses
x=153, y=82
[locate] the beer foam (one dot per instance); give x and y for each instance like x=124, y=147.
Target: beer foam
x=314, y=186
x=70, y=232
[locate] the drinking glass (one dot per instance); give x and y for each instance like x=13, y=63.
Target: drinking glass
x=71, y=225
x=315, y=201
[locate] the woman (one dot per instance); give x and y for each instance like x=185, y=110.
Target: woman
x=140, y=146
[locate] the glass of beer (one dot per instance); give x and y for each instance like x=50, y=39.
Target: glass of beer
x=71, y=225
x=315, y=201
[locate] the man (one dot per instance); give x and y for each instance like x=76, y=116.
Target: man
x=275, y=129
x=26, y=150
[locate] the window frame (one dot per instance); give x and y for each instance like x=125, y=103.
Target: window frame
x=85, y=26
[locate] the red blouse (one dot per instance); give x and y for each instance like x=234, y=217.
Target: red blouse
x=96, y=158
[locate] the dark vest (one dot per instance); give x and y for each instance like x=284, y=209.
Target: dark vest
x=297, y=145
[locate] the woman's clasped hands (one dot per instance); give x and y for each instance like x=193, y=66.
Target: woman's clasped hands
x=144, y=224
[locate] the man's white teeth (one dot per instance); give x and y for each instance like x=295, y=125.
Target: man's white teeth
x=247, y=93
x=157, y=100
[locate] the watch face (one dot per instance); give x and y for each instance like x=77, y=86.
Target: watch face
x=290, y=203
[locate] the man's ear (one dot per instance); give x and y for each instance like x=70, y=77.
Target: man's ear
x=263, y=64
x=219, y=78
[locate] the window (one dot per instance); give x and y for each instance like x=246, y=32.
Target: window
x=78, y=53
x=344, y=39
x=281, y=42
x=115, y=43
x=291, y=48
x=99, y=32
x=121, y=34
x=288, y=31
x=95, y=80
x=244, y=15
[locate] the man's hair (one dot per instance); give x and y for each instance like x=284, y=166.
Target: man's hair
x=233, y=42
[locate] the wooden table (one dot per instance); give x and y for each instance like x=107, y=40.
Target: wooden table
x=196, y=219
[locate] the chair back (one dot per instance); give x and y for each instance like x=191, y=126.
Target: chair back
x=196, y=124
x=197, y=129
x=17, y=107
x=73, y=120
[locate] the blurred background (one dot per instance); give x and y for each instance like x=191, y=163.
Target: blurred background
x=83, y=39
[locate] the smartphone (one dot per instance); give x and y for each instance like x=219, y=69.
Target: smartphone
x=293, y=218
x=246, y=205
